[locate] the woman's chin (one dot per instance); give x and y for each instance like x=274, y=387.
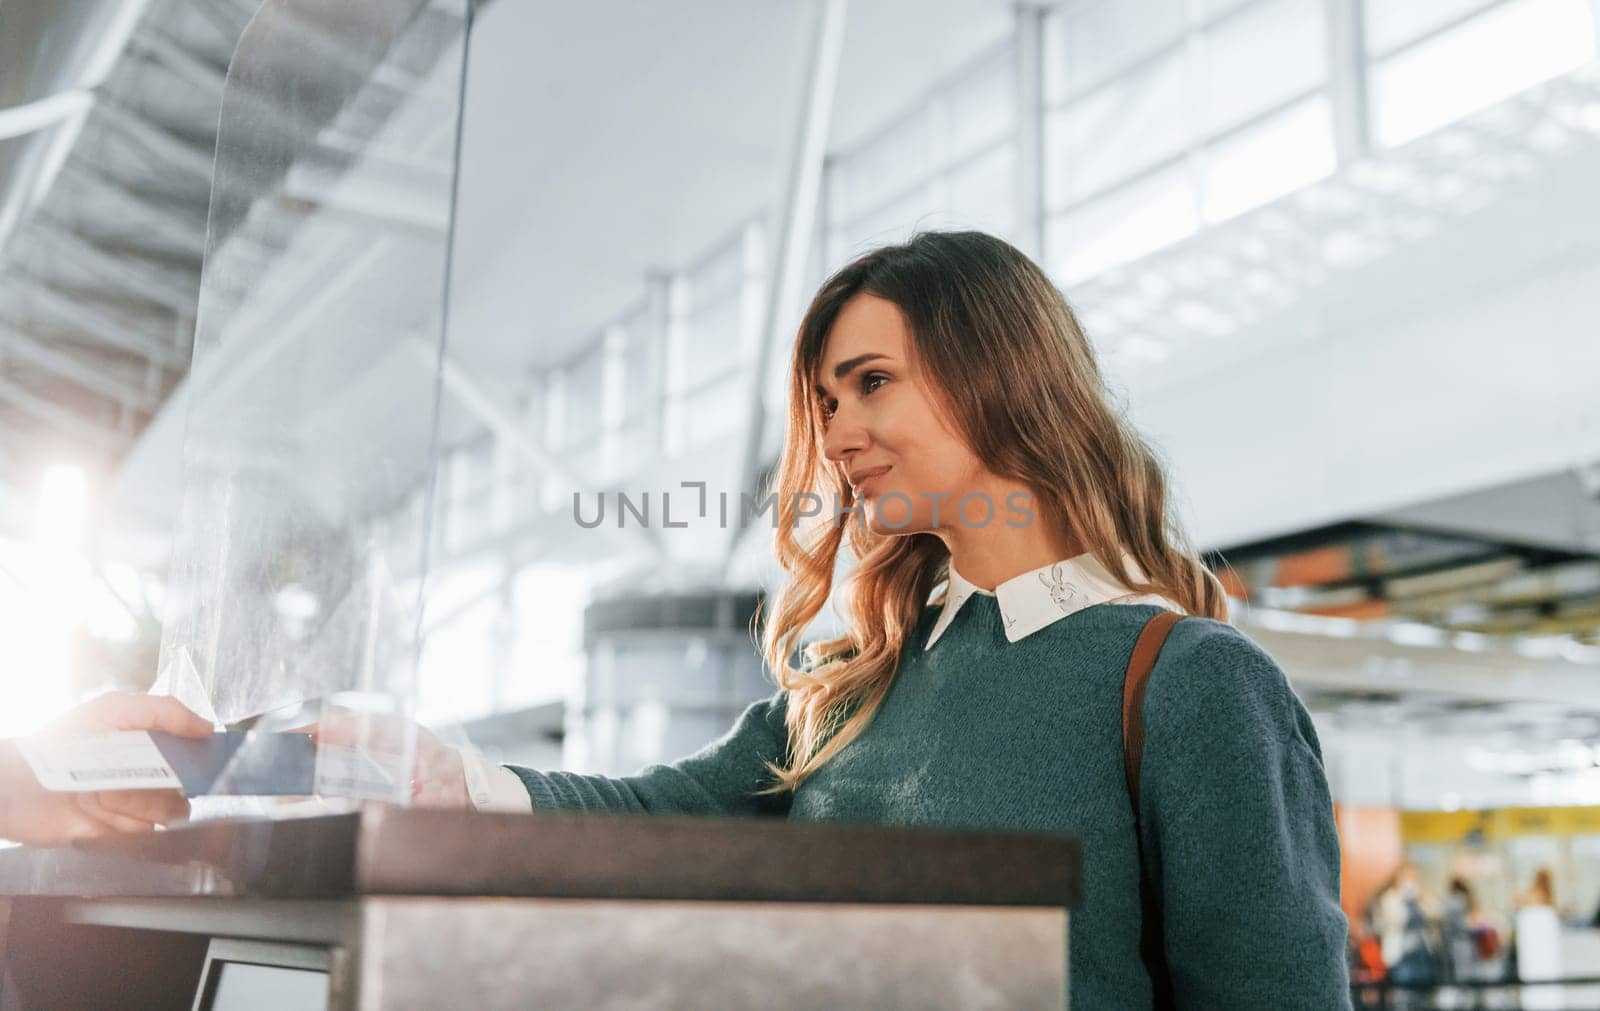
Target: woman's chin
x=889, y=520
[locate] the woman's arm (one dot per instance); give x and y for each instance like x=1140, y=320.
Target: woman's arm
x=719, y=779
x=1239, y=832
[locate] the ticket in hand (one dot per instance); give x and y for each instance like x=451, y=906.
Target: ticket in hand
x=235, y=763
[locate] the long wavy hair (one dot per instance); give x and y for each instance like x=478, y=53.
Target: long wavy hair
x=1006, y=356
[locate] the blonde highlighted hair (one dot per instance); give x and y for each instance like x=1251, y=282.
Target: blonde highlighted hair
x=1003, y=351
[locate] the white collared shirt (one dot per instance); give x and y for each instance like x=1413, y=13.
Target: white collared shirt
x=493, y=787
x=1042, y=596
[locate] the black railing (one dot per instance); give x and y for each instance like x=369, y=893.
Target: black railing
x=1498, y=994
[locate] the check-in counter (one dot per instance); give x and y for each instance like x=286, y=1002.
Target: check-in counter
x=393, y=908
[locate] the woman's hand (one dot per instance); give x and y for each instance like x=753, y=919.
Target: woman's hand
x=439, y=777
x=36, y=816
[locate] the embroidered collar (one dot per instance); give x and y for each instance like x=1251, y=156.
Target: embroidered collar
x=1045, y=595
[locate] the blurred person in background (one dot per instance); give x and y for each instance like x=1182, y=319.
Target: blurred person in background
x=1455, y=931
x=1403, y=933
x=1469, y=941
x=1367, y=970
x=1537, y=938
x=36, y=816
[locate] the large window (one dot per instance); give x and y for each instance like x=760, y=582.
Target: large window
x=1164, y=117
x=949, y=161
x=715, y=317
x=1434, y=61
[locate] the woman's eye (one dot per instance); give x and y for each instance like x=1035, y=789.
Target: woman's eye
x=869, y=383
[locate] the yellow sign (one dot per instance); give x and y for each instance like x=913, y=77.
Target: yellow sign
x=1501, y=823
x=1441, y=826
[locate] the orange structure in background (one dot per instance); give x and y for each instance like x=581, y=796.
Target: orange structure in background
x=1369, y=851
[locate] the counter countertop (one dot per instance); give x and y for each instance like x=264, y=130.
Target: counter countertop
x=381, y=850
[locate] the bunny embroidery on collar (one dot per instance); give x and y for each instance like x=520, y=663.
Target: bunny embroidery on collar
x=1063, y=593
x=1040, y=597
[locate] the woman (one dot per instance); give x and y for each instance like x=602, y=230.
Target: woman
x=1456, y=914
x=1538, y=941
x=1462, y=928
x=945, y=392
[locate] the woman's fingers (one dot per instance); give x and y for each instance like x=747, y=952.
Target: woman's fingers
x=441, y=775
x=359, y=730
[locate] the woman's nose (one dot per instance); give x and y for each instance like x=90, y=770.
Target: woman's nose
x=841, y=439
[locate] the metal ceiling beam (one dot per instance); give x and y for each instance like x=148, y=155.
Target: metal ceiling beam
x=226, y=20
x=268, y=115
x=162, y=144
x=57, y=84
x=203, y=74
x=172, y=223
x=1366, y=661
x=339, y=54
x=20, y=120
x=193, y=69
x=416, y=201
x=104, y=327
x=167, y=288
x=59, y=417
x=29, y=349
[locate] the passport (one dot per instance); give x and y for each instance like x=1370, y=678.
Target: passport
x=242, y=763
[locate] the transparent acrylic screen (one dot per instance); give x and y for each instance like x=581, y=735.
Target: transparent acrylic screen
x=312, y=397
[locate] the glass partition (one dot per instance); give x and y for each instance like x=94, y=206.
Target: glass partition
x=631, y=177
x=313, y=395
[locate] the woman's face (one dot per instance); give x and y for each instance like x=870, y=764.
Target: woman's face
x=881, y=414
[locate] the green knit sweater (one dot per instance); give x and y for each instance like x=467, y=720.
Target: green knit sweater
x=983, y=733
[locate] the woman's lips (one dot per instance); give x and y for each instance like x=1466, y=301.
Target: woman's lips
x=866, y=480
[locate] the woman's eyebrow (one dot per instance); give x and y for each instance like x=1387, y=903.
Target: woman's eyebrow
x=848, y=366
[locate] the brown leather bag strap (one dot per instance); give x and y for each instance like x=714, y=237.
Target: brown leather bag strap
x=1143, y=661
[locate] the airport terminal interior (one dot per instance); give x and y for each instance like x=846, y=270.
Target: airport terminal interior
x=416, y=354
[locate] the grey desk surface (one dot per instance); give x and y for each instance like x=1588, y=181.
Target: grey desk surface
x=391, y=851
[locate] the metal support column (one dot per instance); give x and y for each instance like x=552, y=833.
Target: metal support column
x=1030, y=129
x=793, y=234
x=659, y=313
x=1347, y=80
